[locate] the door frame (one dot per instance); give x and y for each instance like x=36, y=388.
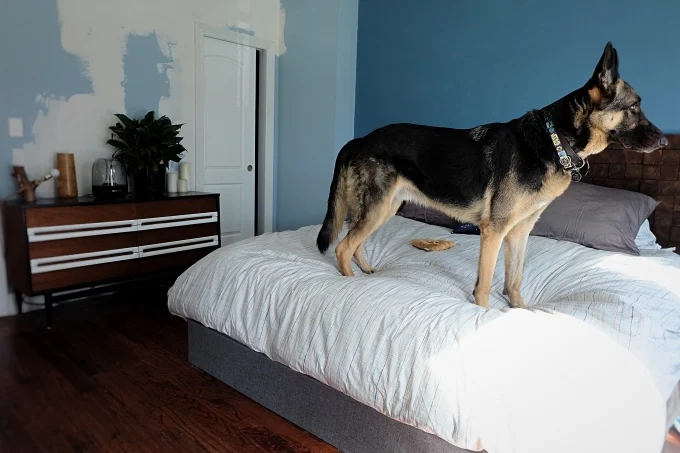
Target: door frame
x=266, y=92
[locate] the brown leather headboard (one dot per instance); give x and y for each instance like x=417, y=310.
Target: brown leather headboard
x=656, y=174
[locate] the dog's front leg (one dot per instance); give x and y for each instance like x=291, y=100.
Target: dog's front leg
x=488, y=254
x=515, y=250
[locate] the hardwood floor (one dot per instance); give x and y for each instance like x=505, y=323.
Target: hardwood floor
x=112, y=376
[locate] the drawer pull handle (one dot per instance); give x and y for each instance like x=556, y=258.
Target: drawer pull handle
x=177, y=246
x=154, y=223
x=58, y=263
x=52, y=233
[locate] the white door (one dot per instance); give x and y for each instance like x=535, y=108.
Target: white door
x=226, y=161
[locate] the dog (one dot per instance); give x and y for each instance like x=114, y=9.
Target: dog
x=499, y=176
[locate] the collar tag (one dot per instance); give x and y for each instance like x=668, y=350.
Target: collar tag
x=566, y=160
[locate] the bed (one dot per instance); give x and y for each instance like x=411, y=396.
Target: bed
x=601, y=336
x=402, y=361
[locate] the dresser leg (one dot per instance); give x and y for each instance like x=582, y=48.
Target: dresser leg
x=48, y=311
x=19, y=299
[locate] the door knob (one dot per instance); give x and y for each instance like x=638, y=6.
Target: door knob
x=250, y=168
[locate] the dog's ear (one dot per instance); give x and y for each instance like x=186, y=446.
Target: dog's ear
x=607, y=71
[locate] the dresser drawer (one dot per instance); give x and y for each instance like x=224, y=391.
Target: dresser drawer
x=176, y=207
x=147, y=237
x=71, y=222
x=176, y=261
x=81, y=276
x=44, y=249
x=78, y=215
x=166, y=248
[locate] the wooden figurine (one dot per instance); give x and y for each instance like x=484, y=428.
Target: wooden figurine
x=26, y=186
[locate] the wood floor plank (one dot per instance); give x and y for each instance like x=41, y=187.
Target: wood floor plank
x=223, y=397
x=218, y=429
x=13, y=436
x=148, y=415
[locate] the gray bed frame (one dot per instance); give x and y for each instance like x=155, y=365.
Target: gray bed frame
x=323, y=411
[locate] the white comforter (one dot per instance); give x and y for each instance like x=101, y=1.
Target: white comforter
x=588, y=367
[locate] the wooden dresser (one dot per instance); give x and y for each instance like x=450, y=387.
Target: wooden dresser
x=58, y=245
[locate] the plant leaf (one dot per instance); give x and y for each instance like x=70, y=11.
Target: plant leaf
x=124, y=119
x=116, y=144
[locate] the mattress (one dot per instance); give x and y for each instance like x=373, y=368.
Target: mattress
x=588, y=367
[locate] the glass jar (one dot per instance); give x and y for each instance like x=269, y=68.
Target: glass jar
x=109, y=179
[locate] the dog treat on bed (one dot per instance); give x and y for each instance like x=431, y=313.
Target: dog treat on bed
x=432, y=245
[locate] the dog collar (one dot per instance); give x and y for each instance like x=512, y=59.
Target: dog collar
x=568, y=158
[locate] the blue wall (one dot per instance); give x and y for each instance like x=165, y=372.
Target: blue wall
x=315, y=105
x=467, y=62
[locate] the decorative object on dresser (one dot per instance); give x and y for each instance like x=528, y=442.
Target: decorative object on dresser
x=146, y=146
x=109, y=179
x=67, y=184
x=655, y=174
x=171, y=185
x=183, y=180
x=27, y=187
x=58, y=245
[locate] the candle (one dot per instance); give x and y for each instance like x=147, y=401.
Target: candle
x=172, y=182
x=184, y=170
x=182, y=185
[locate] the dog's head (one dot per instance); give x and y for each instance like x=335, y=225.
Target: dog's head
x=617, y=116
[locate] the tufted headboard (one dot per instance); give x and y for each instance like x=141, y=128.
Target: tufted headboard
x=656, y=174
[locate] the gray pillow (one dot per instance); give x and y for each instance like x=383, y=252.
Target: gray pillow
x=427, y=215
x=598, y=217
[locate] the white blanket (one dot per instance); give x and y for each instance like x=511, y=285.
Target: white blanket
x=587, y=368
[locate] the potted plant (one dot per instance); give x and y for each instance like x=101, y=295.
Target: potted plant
x=146, y=147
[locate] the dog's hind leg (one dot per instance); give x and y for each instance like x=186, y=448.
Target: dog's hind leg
x=359, y=252
x=361, y=260
x=355, y=238
x=515, y=250
x=371, y=217
x=491, y=241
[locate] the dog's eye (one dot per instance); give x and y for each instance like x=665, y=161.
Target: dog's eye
x=634, y=107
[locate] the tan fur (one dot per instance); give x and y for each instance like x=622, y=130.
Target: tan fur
x=595, y=94
x=361, y=260
x=515, y=250
x=605, y=120
x=601, y=122
x=579, y=117
x=472, y=213
x=516, y=212
x=359, y=233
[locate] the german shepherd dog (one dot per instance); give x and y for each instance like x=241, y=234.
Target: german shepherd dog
x=499, y=176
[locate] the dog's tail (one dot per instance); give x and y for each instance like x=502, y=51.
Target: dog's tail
x=337, y=205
